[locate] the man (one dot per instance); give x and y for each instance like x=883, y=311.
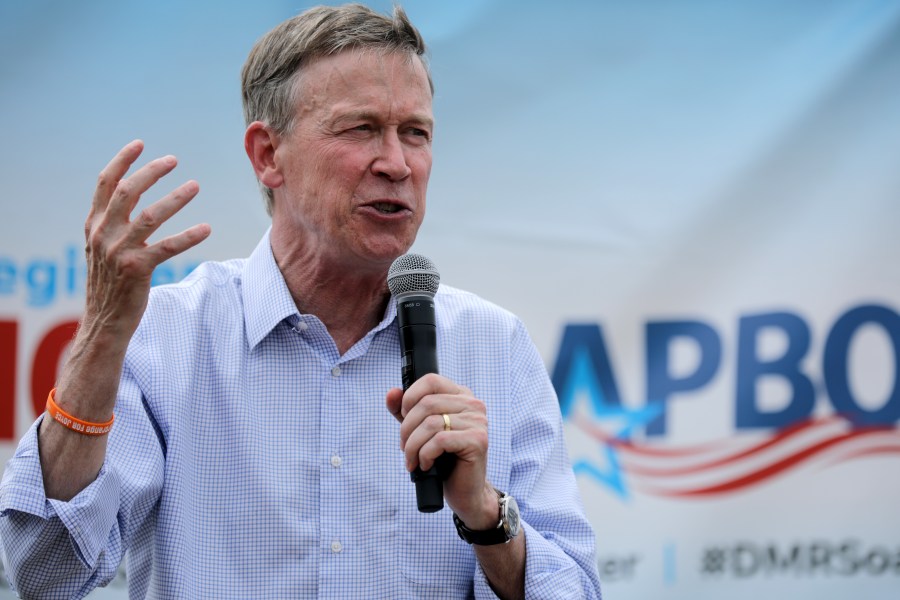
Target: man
x=251, y=454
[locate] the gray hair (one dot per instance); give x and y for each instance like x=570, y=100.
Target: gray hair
x=269, y=78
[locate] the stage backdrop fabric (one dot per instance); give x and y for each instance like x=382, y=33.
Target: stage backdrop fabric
x=693, y=206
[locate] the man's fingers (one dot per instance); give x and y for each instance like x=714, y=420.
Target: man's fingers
x=150, y=218
x=128, y=191
x=432, y=426
x=430, y=384
x=426, y=420
x=113, y=172
x=158, y=213
x=174, y=245
x=449, y=442
x=423, y=448
x=437, y=404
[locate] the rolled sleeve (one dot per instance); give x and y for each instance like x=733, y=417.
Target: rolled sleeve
x=89, y=514
x=45, y=541
x=22, y=486
x=88, y=517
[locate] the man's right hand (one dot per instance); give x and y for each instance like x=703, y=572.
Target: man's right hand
x=120, y=265
x=120, y=261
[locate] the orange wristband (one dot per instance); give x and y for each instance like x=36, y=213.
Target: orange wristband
x=76, y=425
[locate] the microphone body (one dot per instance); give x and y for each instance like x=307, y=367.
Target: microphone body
x=413, y=281
x=418, y=337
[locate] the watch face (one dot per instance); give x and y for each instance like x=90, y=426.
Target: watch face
x=511, y=514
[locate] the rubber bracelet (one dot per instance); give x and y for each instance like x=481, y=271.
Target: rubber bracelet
x=73, y=423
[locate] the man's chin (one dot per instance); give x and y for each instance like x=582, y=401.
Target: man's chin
x=387, y=250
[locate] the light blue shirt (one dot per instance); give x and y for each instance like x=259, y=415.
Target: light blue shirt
x=249, y=459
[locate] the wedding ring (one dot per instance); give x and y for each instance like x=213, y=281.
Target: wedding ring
x=446, y=422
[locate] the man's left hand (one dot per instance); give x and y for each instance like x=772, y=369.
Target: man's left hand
x=424, y=436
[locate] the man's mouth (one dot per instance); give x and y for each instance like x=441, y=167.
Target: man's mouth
x=387, y=207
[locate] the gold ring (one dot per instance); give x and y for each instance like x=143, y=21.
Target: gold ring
x=446, y=422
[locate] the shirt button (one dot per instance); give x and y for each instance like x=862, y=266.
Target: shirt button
x=302, y=326
x=336, y=371
x=336, y=546
x=336, y=461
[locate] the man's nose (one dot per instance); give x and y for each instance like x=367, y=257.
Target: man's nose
x=391, y=159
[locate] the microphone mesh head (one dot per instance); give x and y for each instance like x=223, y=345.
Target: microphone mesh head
x=413, y=274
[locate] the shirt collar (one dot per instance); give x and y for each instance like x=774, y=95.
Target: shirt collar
x=267, y=300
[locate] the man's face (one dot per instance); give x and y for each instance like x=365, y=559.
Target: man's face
x=357, y=161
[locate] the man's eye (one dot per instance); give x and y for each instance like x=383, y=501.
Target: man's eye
x=424, y=133
x=362, y=127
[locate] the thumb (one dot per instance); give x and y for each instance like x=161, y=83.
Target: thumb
x=394, y=402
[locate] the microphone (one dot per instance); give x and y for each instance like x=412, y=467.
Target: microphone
x=413, y=281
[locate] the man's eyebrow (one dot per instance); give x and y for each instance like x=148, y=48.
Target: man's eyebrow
x=365, y=115
x=424, y=120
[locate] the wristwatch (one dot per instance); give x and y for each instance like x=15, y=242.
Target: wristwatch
x=508, y=527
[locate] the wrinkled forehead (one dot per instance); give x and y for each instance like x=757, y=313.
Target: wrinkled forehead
x=356, y=56
x=364, y=86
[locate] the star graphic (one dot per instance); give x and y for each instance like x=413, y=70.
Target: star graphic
x=585, y=402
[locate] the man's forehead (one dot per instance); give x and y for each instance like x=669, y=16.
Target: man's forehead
x=356, y=84
x=375, y=62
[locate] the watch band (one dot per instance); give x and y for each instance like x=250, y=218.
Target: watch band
x=507, y=528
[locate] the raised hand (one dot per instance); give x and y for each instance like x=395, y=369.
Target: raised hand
x=120, y=265
x=119, y=259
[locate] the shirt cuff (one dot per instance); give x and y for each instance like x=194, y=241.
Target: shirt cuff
x=88, y=517
x=549, y=572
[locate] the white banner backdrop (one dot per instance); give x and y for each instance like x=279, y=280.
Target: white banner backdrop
x=693, y=206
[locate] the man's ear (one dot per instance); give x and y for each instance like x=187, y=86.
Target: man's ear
x=260, y=142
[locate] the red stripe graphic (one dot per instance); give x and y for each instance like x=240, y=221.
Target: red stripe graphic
x=735, y=464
